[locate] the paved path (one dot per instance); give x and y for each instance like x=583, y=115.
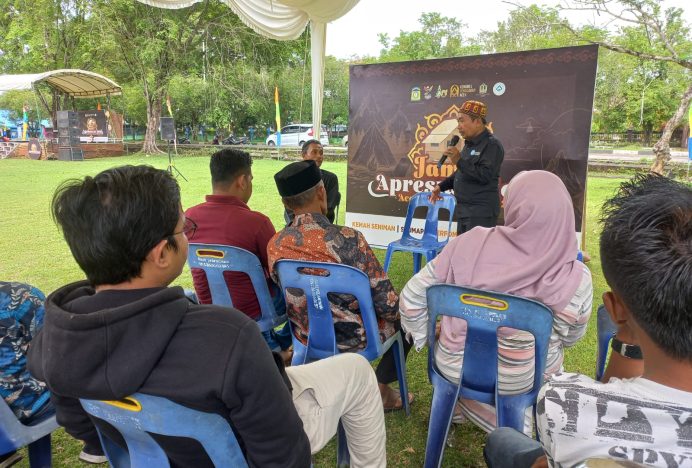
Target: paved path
x=632, y=156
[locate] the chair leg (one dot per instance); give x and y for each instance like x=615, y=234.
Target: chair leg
x=343, y=456
x=39, y=453
x=388, y=258
x=417, y=257
x=430, y=255
x=400, y=363
x=509, y=414
x=441, y=411
x=299, y=354
x=601, y=357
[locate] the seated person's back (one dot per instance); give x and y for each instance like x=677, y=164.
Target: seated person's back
x=646, y=255
x=641, y=412
x=311, y=237
x=124, y=330
x=225, y=219
x=534, y=256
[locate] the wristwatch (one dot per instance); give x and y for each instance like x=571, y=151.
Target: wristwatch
x=628, y=350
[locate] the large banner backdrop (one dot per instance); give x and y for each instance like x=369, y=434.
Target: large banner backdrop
x=403, y=114
x=94, y=126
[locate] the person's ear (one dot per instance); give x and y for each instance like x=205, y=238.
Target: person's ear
x=159, y=256
x=618, y=311
x=243, y=181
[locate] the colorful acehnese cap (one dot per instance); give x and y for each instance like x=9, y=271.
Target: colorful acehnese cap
x=474, y=109
x=297, y=177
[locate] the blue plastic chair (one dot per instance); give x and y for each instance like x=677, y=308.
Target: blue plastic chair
x=484, y=313
x=428, y=245
x=321, y=344
x=342, y=279
x=15, y=435
x=136, y=416
x=606, y=331
x=215, y=259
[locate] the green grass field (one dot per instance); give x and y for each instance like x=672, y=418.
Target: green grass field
x=33, y=251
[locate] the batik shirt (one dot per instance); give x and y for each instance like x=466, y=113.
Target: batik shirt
x=311, y=237
x=21, y=316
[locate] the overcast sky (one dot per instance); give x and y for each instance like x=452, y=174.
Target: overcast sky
x=356, y=32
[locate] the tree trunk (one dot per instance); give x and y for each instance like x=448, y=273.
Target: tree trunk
x=662, y=146
x=153, y=114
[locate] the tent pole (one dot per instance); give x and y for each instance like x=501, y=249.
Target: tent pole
x=43, y=100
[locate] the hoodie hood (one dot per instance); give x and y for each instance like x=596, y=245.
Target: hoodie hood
x=85, y=332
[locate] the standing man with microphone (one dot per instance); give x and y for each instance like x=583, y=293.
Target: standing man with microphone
x=475, y=182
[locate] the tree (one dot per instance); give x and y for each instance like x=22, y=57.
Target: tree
x=527, y=28
x=335, y=101
x=43, y=35
x=652, y=35
x=439, y=37
x=149, y=45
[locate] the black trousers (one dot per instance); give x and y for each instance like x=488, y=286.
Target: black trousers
x=466, y=224
x=386, y=369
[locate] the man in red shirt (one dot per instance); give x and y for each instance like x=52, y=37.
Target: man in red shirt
x=224, y=218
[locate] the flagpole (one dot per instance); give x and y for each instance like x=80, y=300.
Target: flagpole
x=278, y=116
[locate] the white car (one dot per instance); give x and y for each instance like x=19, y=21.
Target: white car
x=297, y=134
x=345, y=140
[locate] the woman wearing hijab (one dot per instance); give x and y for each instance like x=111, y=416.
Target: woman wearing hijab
x=534, y=255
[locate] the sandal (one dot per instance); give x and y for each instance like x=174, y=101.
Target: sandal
x=399, y=405
x=458, y=416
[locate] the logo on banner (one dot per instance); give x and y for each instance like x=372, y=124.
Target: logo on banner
x=499, y=89
x=454, y=91
x=483, y=89
x=427, y=91
x=432, y=138
x=441, y=92
x=415, y=93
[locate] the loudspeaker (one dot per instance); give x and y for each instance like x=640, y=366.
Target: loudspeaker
x=167, y=128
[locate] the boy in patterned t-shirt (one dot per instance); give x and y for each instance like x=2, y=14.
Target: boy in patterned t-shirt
x=641, y=412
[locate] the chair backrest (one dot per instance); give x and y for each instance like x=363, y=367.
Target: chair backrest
x=606, y=330
x=485, y=312
x=136, y=416
x=432, y=215
x=15, y=435
x=216, y=259
x=341, y=279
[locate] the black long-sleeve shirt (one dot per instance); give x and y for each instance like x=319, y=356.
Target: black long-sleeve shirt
x=331, y=185
x=476, y=178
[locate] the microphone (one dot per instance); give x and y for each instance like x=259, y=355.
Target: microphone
x=452, y=142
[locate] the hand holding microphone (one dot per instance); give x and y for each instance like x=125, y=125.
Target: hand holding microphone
x=452, y=143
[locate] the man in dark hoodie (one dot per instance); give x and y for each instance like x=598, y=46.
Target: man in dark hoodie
x=124, y=331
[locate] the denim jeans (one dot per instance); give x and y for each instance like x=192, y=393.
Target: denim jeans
x=509, y=448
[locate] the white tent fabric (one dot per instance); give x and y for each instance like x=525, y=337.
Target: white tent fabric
x=285, y=20
x=76, y=83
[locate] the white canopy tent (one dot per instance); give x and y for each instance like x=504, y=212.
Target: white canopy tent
x=74, y=83
x=286, y=20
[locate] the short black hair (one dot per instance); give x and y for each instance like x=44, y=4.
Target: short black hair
x=226, y=165
x=306, y=145
x=646, y=256
x=113, y=220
